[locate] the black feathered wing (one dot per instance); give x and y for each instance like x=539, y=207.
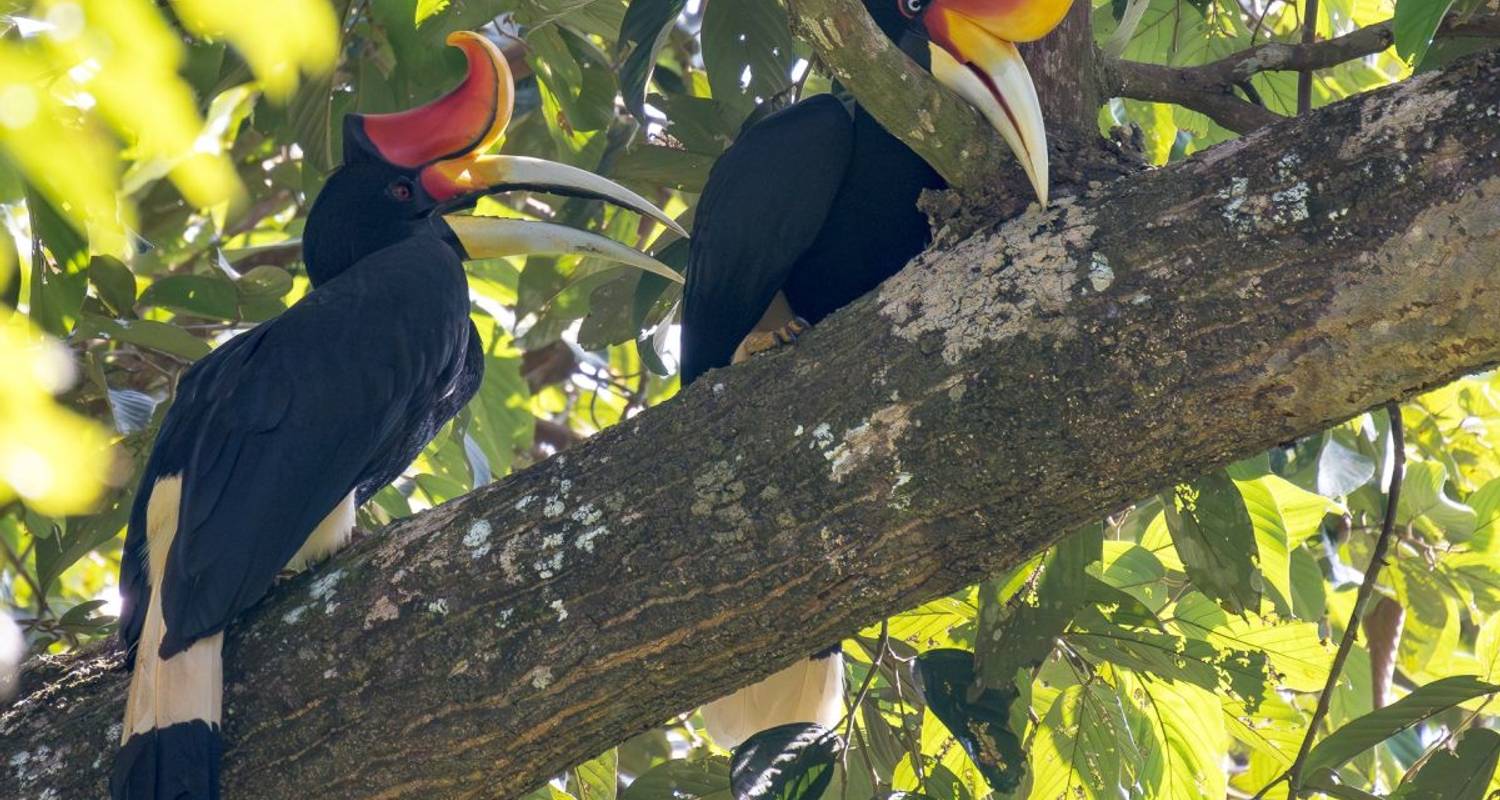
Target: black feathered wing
x=276, y=427
x=764, y=204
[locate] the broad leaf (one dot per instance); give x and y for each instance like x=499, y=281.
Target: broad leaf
x=1463, y=773
x=1363, y=733
x=978, y=718
x=1416, y=22
x=788, y=762
x=1215, y=538
x=645, y=29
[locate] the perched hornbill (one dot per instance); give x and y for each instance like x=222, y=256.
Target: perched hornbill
x=814, y=206
x=278, y=435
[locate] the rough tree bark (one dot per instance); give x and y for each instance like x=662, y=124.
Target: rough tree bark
x=998, y=392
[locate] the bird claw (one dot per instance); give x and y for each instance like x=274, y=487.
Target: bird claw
x=764, y=341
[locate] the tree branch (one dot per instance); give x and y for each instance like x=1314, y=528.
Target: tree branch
x=1043, y=372
x=902, y=96
x=1210, y=88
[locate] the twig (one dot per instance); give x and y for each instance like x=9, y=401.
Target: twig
x=20, y=568
x=913, y=748
x=864, y=688
x=1293, y=774
x=1304, y=78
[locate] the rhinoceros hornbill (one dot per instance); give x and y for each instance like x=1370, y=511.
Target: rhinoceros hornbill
x=814, y=206
x=276, y=437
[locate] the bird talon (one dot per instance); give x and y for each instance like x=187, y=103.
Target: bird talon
x=758, y=342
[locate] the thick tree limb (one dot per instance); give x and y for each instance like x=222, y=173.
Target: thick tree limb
x=995, y=394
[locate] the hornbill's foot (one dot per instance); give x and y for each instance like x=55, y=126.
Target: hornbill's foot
x=764, y=341
x=285, y=576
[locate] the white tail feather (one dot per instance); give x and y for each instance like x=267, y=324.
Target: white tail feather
x=190, y=685
x=811, y=690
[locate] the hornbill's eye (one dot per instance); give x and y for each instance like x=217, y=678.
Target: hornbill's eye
x=400, y=189
x=911, y=8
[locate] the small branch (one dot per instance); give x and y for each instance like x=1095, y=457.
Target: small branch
x=905, y=98
x=1209, y=88
x=1293, y=774
x=1189, y=88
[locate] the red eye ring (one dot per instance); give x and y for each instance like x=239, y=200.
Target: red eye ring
x=401, y=190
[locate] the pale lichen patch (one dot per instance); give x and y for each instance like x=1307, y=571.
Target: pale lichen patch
x=439, y=607
x=508, y=561
x=562, y=613
x=875, y=439
x=990, y=288
x=1411, y=110
x=383, y=611
x=1100, y=273
x=585, y=541
x=478, y=539
x=324, y=587
x=540, y=677
x=294, y=616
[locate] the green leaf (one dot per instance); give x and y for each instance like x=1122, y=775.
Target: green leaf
x=681, y=779
x=597, y=778
x=1416, y=22
x=265, y=281
x=426, y=9
x=1212, y=531
x=1018, y=632
x=1134, y=570
x=1423, y=499
x=645, y=29
x=114, y=284
x=1270, y=541
x=1293, y=649
x=979, y=718
x=1365, y=732
x=1486, y=505
x=1463, y=773
x=1309, y=592
x=1181, y=733
x=1342, y=469
x=56, y=292
x=144, y=333
x=788, y=762
x=197, y=295
x=1172, y=657
x=1083, y=749
x=747, y=39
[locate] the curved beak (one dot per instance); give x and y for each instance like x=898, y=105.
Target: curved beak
x=446, y=140
x=472, y=176
x=973, y=53
x=497, y=237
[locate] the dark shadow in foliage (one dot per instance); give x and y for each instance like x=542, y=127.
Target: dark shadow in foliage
x=787, y=762
x=980, y=723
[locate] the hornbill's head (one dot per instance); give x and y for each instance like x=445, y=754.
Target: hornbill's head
x=412, y=169
x=970, y=47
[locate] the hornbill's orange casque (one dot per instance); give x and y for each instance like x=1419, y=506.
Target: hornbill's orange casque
x=278, y=435
x=814, y=206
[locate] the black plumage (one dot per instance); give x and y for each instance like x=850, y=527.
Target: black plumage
x=817, y=201
x=273, y=429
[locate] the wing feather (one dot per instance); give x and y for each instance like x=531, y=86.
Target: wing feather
x=765, y=202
